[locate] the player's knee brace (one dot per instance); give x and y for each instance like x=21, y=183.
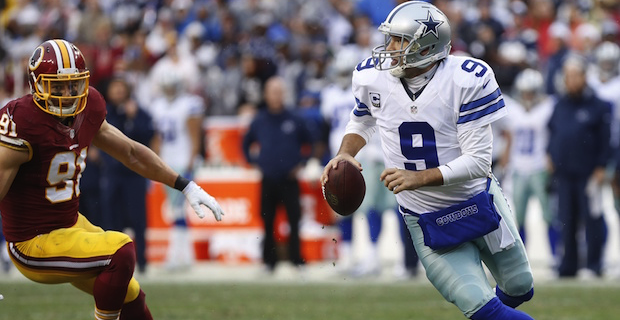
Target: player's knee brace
x=495, y=309
x=513, y=301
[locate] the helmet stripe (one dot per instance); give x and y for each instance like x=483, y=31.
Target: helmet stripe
x=64, y=51
x=71, y=53
x=58, y=54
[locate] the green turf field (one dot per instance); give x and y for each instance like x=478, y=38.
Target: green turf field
x=415, y=300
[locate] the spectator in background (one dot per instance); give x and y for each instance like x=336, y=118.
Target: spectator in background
x=559, y=36
x=530, y=113
x=91, y=192
x=274, y=143
x=178, y=117
x=376, y=10
x=124, y=191
x=185, y=67
x=604, y=78
x=579, y=151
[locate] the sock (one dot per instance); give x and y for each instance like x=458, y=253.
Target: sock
x=106, y=315
x=522, y=233
x=553, y=235
x=495, y=309
x=110, y=286
x=180, y=222
x=137, y=309
x=511, y=301
x=346, y=229
x=374, y=225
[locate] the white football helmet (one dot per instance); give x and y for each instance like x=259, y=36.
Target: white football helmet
x=426, y=29
x=529, y=84
x=343, y=64
x=607, y=56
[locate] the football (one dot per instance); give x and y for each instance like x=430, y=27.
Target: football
x=345, y=188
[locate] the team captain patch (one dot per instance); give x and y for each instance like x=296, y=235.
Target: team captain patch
x=375, y=99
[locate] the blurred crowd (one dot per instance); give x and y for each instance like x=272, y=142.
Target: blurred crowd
x=224, y=51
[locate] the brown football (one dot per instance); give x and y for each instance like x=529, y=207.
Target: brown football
x=345, y=188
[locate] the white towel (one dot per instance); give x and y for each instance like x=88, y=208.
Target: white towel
x=500, y=239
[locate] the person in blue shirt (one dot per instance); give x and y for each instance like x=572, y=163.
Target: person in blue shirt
x=280, y=136
x=124, y=191
x=579, y=151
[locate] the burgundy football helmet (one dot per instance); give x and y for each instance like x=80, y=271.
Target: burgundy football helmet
x=58, y=78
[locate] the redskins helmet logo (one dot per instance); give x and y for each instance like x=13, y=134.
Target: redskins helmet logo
x=36, y=58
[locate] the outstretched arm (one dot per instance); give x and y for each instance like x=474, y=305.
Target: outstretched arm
x=146, y=163
x=134, y=155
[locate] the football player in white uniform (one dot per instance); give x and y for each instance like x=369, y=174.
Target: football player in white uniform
x=433, y=113
x=178, y=117
x=529, y=116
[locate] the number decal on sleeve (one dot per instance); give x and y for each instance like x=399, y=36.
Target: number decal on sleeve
x=367, y=64
x=7, y=126
x=417, y=143
x=60, y=175
x=471, y=65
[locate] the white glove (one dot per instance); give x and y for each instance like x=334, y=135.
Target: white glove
x=196, y=196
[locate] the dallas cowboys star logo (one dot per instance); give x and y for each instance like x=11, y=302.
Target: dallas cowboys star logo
x=430, y=25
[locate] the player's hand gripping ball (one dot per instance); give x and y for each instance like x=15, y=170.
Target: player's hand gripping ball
x=345, y=188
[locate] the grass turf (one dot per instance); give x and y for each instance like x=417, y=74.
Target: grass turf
x=566, y=300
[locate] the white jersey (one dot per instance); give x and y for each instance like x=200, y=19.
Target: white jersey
x=336, y=106
x=170, y=118
x=610, y=92
x=530, y=135
x=462, y=95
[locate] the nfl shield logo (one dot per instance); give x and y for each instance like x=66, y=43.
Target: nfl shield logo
x=414, y=109
x=375, y=99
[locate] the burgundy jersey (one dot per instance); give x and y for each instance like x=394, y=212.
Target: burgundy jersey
x=45, y=193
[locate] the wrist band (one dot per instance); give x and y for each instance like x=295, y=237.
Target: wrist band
x=180, y=183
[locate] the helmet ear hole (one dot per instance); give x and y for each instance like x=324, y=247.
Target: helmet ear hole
x=427, y=50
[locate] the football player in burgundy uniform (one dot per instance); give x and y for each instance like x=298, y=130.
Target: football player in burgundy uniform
x=44, y=139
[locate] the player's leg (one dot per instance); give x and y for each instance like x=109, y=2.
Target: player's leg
x=345, y=248
x=595, y=228
x=134, y=305
x=269, y=201
x=290, y=196
x=410, y=257
x=539, y=187
x=180, y=253
x=520, y=196
x=569, y=220
x=510, y=267
x=98, y=262
x=373, y=207
x=135, y=189
x=458, y=275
